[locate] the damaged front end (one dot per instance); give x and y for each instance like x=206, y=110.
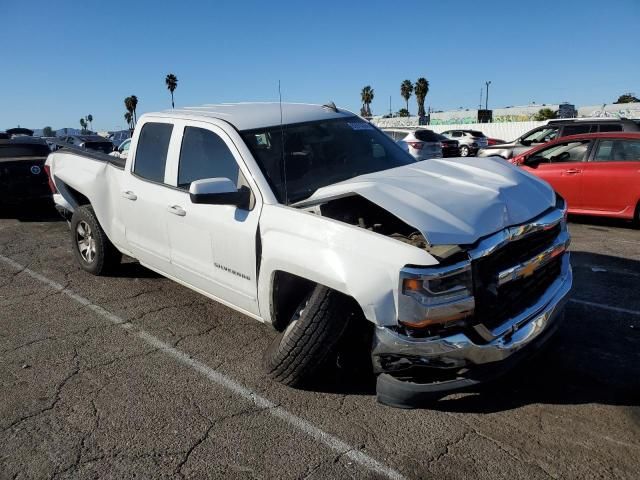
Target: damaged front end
x=465, y=323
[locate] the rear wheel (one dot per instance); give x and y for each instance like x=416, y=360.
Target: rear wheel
x=310, y=339
x=93, y=250
x=464, y=151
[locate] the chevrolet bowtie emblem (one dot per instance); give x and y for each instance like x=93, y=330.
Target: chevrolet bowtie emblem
x=531, y=267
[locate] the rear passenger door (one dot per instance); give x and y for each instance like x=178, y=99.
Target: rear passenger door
x=143, y=196
x=213, y=247
x=612, y=177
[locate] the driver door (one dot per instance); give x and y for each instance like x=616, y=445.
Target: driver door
x=562, y=166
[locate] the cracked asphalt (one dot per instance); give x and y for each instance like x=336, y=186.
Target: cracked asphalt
x=83, y=397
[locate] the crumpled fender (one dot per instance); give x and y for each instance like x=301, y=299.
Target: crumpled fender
x=357, y=262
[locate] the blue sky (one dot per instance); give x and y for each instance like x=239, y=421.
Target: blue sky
x=64, y=59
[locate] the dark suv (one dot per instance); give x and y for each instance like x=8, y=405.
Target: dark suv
x=557, y=129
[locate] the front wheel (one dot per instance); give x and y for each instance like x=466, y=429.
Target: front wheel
x=464, y=151
x=310, y=339
x=93, y=250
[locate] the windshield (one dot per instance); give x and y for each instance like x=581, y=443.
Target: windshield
x=321, y=153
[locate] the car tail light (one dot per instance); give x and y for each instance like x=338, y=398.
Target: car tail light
x=52, y=186
x=416, y=145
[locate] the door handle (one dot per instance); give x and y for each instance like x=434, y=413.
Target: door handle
x=572, y=171
x=177, y=210
x=129, y=195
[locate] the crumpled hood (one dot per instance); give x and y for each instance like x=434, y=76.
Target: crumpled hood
x=450, y=201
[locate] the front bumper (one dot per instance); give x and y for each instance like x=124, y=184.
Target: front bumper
x=458, y=356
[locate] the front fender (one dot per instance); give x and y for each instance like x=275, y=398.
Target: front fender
x=349, y=259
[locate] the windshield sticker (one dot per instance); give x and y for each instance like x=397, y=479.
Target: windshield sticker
x=360, y=125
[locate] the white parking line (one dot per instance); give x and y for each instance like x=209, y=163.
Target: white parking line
x=334, y=443
x=605, y=307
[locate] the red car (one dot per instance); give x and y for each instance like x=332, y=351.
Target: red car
x=598, y=173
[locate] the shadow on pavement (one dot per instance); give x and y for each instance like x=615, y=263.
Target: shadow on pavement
x=593, y=358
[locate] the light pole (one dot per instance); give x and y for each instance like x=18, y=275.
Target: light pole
x=486, y=98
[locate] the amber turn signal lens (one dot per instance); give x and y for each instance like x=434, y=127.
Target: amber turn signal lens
x=412, y=284
x=427, y=322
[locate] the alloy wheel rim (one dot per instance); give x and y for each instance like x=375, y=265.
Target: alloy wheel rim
x=85, y=241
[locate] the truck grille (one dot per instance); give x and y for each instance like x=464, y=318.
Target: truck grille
x=496, y=304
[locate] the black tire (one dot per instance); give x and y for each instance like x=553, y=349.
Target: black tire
x=93, y=250
x=636, y=217
x=310, y=339
x=464, y=151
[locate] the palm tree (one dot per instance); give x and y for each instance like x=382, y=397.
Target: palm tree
x=130, y=104
x=366, y=95
x=134, y=104
x=83, y=124
x=406, y=89
x=421, y=90
x=128, y=116
x=90, y=119
x=172, y=83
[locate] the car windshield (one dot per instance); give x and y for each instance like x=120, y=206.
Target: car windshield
x=320, y=153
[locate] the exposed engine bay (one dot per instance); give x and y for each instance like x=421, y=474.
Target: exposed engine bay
x=357, y=210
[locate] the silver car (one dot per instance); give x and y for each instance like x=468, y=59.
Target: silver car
x=470, y=140
x=422, y=144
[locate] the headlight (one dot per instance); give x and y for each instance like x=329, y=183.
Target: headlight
x=436, y=296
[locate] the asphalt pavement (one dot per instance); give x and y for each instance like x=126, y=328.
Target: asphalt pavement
x=135, y=376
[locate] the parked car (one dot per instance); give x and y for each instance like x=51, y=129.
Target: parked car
x=119, y=136
x=22, y=171
x=458, y=267
x=558, y=129
x=470, y=140
x=420, y=143
x=90, y=142
x=450, y=148
x=123, y=150
x=597, y=174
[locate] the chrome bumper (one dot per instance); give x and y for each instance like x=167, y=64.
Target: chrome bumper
x=458, y=351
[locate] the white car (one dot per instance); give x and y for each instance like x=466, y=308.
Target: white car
x=123, y=150
x=310, y=219
x=420, y=143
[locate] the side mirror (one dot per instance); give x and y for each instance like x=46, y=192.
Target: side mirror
x=219, y=191
x=534, y=161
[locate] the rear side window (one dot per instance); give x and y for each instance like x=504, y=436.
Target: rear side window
x=611, y=127
x=204, y=155
x=151, y=153
x=476, y=133
x=576, y=129
x=618, y=151
x=426, y=136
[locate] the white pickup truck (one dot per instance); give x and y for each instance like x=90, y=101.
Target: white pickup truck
x=309, y=218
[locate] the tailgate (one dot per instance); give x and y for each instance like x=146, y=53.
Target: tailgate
x=23, y=177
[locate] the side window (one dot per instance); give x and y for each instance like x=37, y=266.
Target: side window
x=541, y=135
x=576, y=129
x=618, y=151
x=204, y=155
x=611, y=127
x=457, y=134
x=566, y=152
x=151, y=153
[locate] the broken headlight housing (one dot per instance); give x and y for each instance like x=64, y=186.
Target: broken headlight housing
x=430, y=297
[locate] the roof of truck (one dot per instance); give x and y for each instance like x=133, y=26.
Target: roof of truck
x=247, y=116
